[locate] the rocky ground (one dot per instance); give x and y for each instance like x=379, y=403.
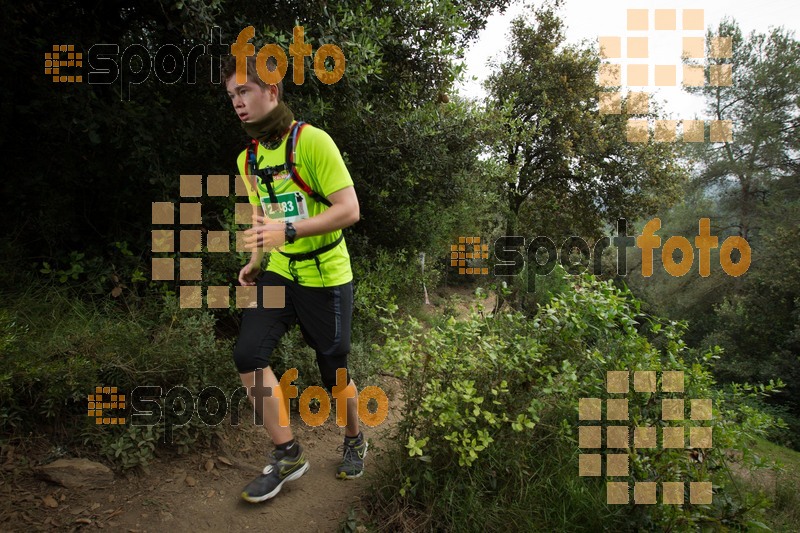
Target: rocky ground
x=197, y=492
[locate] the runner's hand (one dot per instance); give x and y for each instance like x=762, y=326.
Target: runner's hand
x=266, y=235
x=248, y=274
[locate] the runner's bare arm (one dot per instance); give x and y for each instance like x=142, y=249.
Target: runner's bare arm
x=343, y=212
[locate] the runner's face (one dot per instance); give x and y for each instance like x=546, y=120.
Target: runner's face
x=251, y=101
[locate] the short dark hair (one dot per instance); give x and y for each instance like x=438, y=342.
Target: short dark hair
x=229, y=70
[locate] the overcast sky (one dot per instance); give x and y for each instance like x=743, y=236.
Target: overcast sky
x=590, y=19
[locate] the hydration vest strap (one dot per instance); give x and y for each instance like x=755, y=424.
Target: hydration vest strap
x=313, y=254
x=266, y=174
x=291, y=154
x=307, y=256
x=251, y=163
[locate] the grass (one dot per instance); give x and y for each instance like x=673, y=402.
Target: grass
x=785, y=513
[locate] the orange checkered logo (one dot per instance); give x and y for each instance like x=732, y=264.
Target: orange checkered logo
x=105, y=398
x=637, y=73
x=618, y=437
x=192, y=244
x=63, y=56
x=469, y=249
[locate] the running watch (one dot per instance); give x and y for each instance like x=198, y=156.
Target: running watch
x=290, y=233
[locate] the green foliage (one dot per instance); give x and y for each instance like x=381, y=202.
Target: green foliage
x=747, y=188
x=111, y=149
x=569, y=169
x=417, y=176
x=134, y=447
x=785, y=514
x=489, y=427
x=57, y=349
x=388, y=278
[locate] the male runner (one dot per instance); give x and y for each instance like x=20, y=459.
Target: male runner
x=308, y=262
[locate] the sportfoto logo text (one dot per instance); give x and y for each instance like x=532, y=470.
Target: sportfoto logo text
x=170, y=64
x=541, y=253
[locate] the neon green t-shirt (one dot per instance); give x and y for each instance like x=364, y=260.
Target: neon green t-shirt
x=321, y=166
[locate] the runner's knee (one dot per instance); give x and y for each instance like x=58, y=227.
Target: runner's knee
x=247, y=358
x=328, y=374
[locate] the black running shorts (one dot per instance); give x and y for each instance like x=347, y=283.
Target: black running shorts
x=324, y=314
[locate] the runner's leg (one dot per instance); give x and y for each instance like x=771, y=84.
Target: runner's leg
x=261, y=329
x=271, y=410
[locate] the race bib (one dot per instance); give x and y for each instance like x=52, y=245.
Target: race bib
x=291, y=206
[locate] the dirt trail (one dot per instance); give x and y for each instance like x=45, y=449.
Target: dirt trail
x=200, y=492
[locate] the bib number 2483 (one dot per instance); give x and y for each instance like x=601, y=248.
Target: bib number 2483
x=291, y=206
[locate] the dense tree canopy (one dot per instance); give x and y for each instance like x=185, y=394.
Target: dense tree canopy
x=569, y=168
x=94, y=156
x=749, y=187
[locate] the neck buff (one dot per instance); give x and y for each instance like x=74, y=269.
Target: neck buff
x=272, y=127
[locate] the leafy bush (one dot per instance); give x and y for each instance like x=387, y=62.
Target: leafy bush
x=58, y=348
x=390, y=277
x=489, y=428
